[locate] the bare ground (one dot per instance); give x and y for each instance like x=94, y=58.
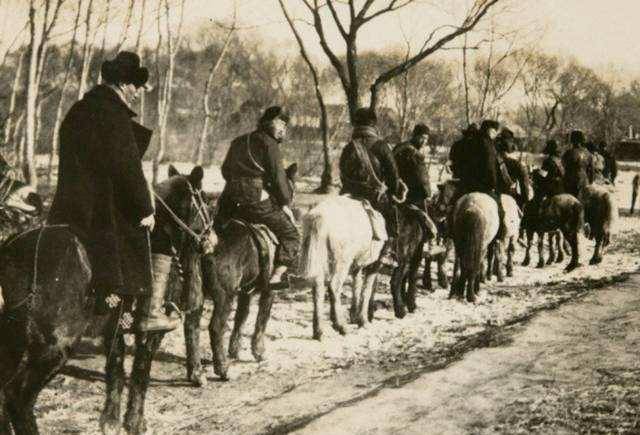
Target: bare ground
x=303, y=379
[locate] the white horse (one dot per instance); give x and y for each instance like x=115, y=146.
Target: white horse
x=338, y=241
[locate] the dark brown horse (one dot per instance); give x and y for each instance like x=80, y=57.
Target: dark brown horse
x=237, y=268
x=45, y=276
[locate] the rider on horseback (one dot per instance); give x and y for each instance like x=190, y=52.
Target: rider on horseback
x=413, y=170
x=478, y=169
x=368, y=171
x=103, y=196
x=257, y=190
x=552, y=166
x=513, y=171
x=578, y=165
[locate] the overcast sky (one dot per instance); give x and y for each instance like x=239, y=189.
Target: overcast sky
x=604, y=35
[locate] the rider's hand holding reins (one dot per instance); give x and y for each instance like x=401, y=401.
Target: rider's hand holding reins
x=149, y=222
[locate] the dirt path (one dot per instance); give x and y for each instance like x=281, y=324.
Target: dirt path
x=544, y=378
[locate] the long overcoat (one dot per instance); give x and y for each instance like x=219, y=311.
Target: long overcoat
x=102, y=193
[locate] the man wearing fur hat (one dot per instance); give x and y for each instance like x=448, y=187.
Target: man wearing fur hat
x=257, y=189
x=103, y=195
x=578, y=165
x=413, y=171
x=368, y=170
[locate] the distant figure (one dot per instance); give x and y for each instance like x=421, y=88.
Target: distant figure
x=554, y=171
x=610, y=165
x=258, y=191
x=516, y=172
x=459, y=149
x=413, y=171
x=578, y=165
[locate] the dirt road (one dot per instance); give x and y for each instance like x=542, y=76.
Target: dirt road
x=563, y=372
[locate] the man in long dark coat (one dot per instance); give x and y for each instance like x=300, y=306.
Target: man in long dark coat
x=610, y=163
x=257, y=189
x=102, y=193
x=460, y=149
x=552, y=166
x=414, y=173
x=368, y=171
x=578, y=165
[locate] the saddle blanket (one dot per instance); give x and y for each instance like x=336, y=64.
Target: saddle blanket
x=378, y=224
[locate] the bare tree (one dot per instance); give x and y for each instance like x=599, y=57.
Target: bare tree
x=165, y=84
x=37, y=50
x=206, y=109
x=15, y=86
x=326, y=181
x=87, y=51
x=63, y=88
x=358, y=17
x=106, y=18
x=138, y=48
x=127, y=25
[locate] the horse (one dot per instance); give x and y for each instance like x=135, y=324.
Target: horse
x=239, y=266
x=338, y=241
x=560, y=216
x=45, y=274
x=601, y=215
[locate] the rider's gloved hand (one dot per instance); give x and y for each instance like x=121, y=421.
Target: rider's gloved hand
x=149, y=222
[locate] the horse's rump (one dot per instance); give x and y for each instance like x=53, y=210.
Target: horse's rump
x=475, y=225
x=599, y=210
x=42, y=262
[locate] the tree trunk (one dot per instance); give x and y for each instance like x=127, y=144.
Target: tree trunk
x=28, y=167
x=12, y=101
x=87, y=52
x=140, y=52
x=465, y=78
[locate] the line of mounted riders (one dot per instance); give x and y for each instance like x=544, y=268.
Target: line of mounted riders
x=125, y=258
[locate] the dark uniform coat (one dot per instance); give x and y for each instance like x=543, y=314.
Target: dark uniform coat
x=482, y=166
x=256, y=189
x=413, y=171
x=102, y=193
x=554, y=184
x=578, y=170
x=355, y=176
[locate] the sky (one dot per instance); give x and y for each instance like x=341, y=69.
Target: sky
x=604, y=35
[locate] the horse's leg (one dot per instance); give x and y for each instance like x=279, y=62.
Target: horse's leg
x=264, y=313
x=335, y=291
x=498, y=260
x=114, y=376
x=147, y=345
x=552, y=251
x=527, y=252
x=491, y=254
x=412, y=277
x=540, y=264
x=511, y=249
x=319, y=290
x=559, y=246
x=367, y=289
x=194, y=300
x=21, y=394
x=572, y=238
x=396, y=290
x=221, y=312
x=597, y=255
x=426, y=273
x=242, y=312
x=457, y=283
x=370, y=289
x=356, y=295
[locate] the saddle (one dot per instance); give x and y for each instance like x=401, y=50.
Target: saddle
x=378, y=224
x=266, y=243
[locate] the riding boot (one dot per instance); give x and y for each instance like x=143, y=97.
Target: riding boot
x=502, y=228
x=279, y=279
x=154, y=317
x=388, y=254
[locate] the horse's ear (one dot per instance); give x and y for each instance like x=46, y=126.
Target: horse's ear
x=172, y=171
x=196, y=176
x=292, y=171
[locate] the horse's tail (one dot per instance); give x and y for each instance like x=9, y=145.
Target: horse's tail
x=315, y=250
x=578, y=217
x=609, y=217
x=470, y=243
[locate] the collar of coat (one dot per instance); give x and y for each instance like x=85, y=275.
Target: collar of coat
x=105, y=92
x=365, y=132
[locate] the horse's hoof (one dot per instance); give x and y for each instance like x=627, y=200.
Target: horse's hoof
x=471, y=298
x=199, y=380
x=571, y=267
x=526, y=262
x=234, y=351
x=317, y=335
x=109, y=426
x=595, y=260
x=540, y=265
x=412, y=308
x=443, y=281
x=560, y=260
x=550, y=261
x=400, y=313
x=340, y=329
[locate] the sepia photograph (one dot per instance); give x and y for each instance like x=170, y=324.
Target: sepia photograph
x=321, y=217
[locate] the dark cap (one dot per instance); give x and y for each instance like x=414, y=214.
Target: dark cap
x=420, y=129
x=507, y=134
x=365, y=116
x=274, y=112
x=489, y=123
x=577, y=137
x=551, y=148
x=126, y=69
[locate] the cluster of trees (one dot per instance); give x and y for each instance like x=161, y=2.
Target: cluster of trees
x=212, y=83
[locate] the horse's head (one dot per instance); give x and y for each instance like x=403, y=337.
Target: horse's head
x=19, y=196
x=443, y=200
x=181, y=209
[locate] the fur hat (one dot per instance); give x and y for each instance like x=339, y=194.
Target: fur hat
x=470, y=130
x=365, y=117
x=577, y=137
x=489, y=123
x=507, y=134
x=274, y=112
x=420, y=129
x=551, y=148
x=125, y=68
